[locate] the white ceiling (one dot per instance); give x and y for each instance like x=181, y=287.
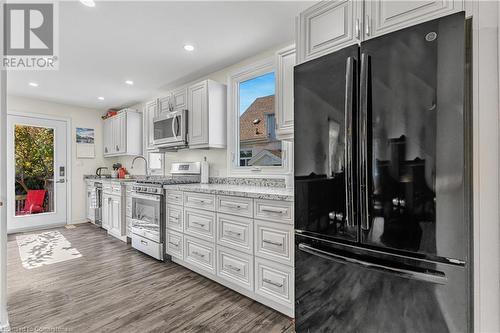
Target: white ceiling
x=101, y=47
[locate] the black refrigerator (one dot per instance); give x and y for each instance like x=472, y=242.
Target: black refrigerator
x=382, y=195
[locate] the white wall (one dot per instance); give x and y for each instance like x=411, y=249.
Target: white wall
x=217, y=158
x=80, y=117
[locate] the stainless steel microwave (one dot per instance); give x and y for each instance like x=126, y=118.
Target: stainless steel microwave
x=170, y=130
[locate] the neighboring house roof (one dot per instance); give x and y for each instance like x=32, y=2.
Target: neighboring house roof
x=249, y=131
x=265, y=157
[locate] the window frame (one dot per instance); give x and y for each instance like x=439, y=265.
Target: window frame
x=245, y=73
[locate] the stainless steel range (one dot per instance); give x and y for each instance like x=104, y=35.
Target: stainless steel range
x=148, y=205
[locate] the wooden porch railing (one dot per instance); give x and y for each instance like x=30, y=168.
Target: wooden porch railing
x=48, y=204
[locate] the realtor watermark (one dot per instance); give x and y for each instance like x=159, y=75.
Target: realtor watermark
x=30, y=35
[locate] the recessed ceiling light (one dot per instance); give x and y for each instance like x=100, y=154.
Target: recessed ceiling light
x=88, y=3
x=189, y=47
x=33, y=84
x=100, y=98
x=129, y=82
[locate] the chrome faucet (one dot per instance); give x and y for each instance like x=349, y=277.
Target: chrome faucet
x=145, y=161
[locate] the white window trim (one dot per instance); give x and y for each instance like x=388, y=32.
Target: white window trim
x=233, y=169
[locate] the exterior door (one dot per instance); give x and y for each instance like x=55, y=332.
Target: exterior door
x=325, y=149
x=412, y=107
x=37, y=172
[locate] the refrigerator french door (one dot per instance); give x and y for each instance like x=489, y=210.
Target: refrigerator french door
x=381, y=175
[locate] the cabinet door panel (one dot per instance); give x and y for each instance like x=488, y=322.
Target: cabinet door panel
x=108, y=137
x=285, y=62
x=328, y=26
x=198, y=114
x=179, y=99
x=386, y=16
x=165, y=104
x=150, y=111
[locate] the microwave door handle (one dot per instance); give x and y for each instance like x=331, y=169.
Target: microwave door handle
x=348, y=126
x=177, y=126
x=173, y=126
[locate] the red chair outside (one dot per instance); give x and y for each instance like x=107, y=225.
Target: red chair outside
x=34, y=202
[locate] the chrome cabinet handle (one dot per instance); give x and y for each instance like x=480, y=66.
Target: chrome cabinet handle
x=273, y=210
x=200, y=224
x=230, y=205
x=335, y=216
x=367, y=25
x=198, y=200
x=174, y=244
x=350, y=83
x=277, y=284
x=399, y=202
x=233, y=268
x=144, y=242
x=271, y=242
x=198, y=254
x=230, y=232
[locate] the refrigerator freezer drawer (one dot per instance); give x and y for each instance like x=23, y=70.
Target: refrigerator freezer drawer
x=374, y=296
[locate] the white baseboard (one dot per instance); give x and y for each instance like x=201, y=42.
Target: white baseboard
x=35, y=228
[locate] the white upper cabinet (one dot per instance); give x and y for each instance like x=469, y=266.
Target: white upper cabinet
x=332, y=25
x=179, y=98
x=123, y=134
x=383, y=16
x=151, y=111
x=328, y=26
x=207, y=115
x=173, y=101
x=285, y=62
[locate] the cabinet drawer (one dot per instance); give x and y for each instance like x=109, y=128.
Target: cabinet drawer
x=235, y=267
x=147, y=246
x=199, y=200
x=274, y=282
x=199, y=253
x=174, y=244
x=274, y=241
x=175, y=218
x=235, y=205
x=273, y=210
x=199, y=223
x=235, y=232
x=174, y=197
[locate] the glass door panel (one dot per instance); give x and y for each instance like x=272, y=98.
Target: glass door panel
x=34, y=169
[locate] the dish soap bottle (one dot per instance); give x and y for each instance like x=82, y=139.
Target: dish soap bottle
x=204, y=171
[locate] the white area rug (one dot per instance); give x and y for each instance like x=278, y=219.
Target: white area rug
x=44, y=249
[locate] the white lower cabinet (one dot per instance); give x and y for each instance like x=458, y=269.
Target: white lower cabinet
x=235, y=267
x=175, y=244
x=275, y=283
x=114, y=217
x=243, y=243
x=200, y=254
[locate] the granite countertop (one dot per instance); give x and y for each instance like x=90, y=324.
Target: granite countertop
x=248, y=191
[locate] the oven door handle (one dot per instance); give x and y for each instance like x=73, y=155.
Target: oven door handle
x=146, y=196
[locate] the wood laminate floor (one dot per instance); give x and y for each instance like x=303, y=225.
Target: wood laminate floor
x=114, y=288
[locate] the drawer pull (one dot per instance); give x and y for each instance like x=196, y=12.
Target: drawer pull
x=144, y=242
x=198, y=254
x=233, y=268
x=198, y=200
x=174, y=217
x=174, y=244
x=231, y=205
x=271, y=242
x=276, y=284
x=274, y=210
x=200, y=224
x=230, y=232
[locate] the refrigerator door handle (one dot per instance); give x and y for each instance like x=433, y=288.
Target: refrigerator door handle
x=350, y=92
x=436, y=277
x=363, y=138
